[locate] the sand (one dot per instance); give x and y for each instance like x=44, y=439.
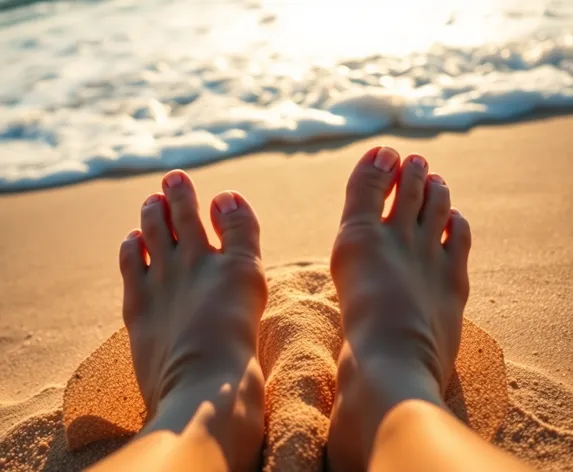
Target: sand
x=60, y=294
x=299, y=343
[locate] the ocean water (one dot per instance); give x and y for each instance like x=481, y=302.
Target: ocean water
x=98, y=87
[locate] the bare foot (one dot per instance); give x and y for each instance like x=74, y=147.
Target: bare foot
x=193, y=316
x=402, y=291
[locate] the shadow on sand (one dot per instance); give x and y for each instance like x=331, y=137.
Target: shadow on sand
x=455, y=399
x=60, y=459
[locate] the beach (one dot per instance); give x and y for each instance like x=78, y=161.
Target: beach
x=278, y=100
x=61, y=292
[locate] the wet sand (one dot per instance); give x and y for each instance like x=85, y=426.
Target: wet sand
x=60, y=290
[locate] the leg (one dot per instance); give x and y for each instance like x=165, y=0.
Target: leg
x=193, y=318
x=440, y=442
x=402, y=289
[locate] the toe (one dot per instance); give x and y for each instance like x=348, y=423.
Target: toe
x=409, y=191
x=157, y=233
x=236, y=224
x=457, y=246
x=184, y=210
x=370, y=184
x=436, y=210
x=133, y=268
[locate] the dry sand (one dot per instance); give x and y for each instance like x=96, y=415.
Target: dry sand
x=299, y=344
x=60, y=290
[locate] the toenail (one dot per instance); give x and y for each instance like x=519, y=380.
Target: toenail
x=438, y=179
x=419, y=161
x=385, y=159
x=173, y=179
x=151, y=200
x=133, y=234
x=226, y=202
x=455, y=211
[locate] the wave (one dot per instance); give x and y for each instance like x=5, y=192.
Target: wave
x=76, y=105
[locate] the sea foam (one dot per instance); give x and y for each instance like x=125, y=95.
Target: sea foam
x=89, y=89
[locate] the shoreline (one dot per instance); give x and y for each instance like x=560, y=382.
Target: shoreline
x=310, y=146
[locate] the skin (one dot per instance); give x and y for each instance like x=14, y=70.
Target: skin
x=193, y=314
x=400, y=264
x=193, y=318
x=402, y=284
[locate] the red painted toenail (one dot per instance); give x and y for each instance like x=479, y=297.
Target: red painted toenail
x=385, y=159
x=151, y=200
x=173, y=179
x=419, y=161
x=226, y=202
x=456, y=212
x=437, y=178
x=134, y=234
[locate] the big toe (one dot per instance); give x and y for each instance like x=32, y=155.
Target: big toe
x=457, y=246
x=236, y=224
x=370, y=184
x=133, y=268
x=409, y=192
x=184, y=211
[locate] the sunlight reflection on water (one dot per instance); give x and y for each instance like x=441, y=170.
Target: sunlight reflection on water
x=326, y=30
x=89, y=88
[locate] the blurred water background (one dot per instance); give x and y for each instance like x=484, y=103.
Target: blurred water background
x=97, y=87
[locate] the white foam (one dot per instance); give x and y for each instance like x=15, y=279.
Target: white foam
x=89, y=89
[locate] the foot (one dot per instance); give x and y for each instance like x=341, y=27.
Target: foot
x=193, y=316
x=402, y=284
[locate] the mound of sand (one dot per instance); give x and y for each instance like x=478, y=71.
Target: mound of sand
x=300, y=340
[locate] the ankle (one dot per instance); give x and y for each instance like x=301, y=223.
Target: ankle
x=222, y=433
x=369, y=390
x=234, y=421
x=396, y=352
x=226, y=392
x=393, y=380
x=377, y=384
